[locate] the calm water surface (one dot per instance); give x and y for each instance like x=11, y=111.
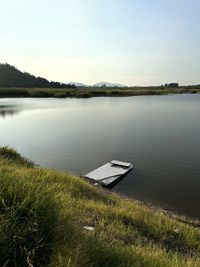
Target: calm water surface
x=160, y=135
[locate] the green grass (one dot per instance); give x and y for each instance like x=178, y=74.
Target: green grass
x=43, y=212
x=93, y=92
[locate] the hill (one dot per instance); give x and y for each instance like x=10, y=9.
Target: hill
x=12, y=77
x=49, y=218
x=99, y=84
x=106, y=84
x=78, y=84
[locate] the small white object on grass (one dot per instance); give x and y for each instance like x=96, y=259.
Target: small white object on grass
x=177, y=231
x=89, y=228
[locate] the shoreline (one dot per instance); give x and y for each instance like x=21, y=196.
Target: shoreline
x=195, y=222
x=92, y=92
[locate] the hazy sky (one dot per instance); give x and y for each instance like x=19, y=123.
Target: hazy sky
x=125, y=41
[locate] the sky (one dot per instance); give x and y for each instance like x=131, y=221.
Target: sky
x=132, y=42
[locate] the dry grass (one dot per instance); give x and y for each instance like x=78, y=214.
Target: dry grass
x=93, y=92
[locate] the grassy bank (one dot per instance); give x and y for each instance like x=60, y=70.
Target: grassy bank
x=43, y=212
x=91, y=92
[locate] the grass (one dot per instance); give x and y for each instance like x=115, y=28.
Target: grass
x=94, y=92
x=43, y=212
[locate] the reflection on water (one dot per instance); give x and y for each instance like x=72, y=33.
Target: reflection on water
x=8, y=110
x=158, y=134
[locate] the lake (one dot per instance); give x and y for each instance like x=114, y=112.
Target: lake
x=159, y=135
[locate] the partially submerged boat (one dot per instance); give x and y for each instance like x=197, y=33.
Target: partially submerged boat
x=110, y=173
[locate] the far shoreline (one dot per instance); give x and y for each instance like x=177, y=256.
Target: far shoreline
x=93, y=92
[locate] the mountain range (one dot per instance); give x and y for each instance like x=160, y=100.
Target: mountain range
x=100, y=84
x=107, y=84
x=10, y=76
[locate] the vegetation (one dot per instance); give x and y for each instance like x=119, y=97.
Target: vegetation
x=14, y=83
x=93, y=92
x=172, y=85
x=12, y=77
x=43, y=214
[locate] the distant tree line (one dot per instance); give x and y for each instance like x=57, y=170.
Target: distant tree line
x=12, y=77
x=176, y=85
x=171, y=85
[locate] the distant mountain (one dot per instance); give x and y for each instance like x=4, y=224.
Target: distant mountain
x=107, y=84
x=12, y=77
x=78, y=84
x=100, y=84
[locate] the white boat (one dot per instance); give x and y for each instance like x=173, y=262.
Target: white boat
x=109, y=173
